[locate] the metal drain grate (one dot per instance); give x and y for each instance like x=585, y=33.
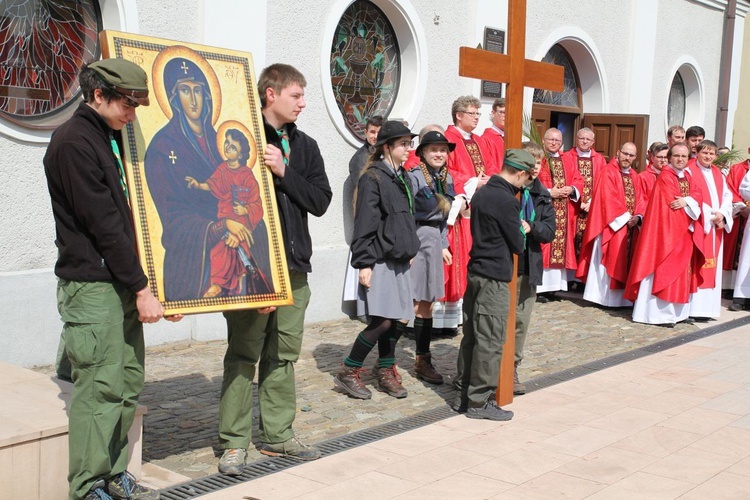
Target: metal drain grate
x=255, y=470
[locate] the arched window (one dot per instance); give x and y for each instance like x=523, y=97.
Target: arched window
x=43, y=44
x=562, y=110
x=676, y=103
x=365, y=65
x=570, y=96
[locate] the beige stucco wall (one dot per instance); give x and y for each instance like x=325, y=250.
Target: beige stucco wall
x=741, y=136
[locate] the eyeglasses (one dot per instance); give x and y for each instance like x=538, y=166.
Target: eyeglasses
x=473, y=114
x=406, y=144
x=585, y=139
x=661, y=158
x=499, y=111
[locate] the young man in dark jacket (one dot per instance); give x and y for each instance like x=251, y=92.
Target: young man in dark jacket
x=273, y=337
x=102, y=292
x=538, y=221
x=497, y=233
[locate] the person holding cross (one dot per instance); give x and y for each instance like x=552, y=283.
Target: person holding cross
x=498, y=233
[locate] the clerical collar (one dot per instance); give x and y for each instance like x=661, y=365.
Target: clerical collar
x=680, y=173
x=654, y=170
x=498, y=130
x=625, y=170
x=701, y=165
x=556, y=154
x=583, y=154
x=466, y=135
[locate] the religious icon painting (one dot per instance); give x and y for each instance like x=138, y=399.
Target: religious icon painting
x=202, y=198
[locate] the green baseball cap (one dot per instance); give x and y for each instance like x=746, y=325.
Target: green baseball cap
x=125, y=77
x=519, y=159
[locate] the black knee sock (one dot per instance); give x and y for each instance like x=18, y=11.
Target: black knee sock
x=387, y=345
x=366, y=340
x=423, y=334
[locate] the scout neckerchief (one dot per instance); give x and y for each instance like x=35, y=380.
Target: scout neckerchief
x=120, y=169
x=527, y=210
x=284, y=138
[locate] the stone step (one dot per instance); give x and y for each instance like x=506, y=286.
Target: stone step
x=34, y=435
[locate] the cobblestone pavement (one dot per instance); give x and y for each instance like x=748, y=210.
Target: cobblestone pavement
x=183, y=379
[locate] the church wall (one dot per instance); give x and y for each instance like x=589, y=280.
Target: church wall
x=299, y=44
x=294, y=34
x=682, y=38
x=741, y=139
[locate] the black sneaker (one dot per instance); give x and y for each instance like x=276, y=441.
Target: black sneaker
x=737, y=305
x=490, y=411
x=124, y=487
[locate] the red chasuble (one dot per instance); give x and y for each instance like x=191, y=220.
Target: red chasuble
x=589, y=169
x=646, y=181
x=733, y=240
x=496, y=148
x=615, y=194
x=708, y=271
x=561, y=253
x=666, y=247
x=466, y=161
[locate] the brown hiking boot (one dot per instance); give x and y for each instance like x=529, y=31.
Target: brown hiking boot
x=388, y=383
x=376, y=370
x=424, y=370
x=518, y=387
x=349, y=378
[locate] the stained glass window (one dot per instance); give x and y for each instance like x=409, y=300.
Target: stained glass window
x=43, y=44
x=569, y=95
x=676, y=105
x=365, y=65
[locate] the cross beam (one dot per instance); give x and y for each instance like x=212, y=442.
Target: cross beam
x=518, y=72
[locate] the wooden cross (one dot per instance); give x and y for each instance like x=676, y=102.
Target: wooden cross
x=518, y=72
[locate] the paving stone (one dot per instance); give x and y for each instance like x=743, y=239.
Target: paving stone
x=183, y=379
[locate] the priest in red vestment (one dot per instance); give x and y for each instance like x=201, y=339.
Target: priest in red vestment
x=494, y=136
x=670, y=247
x=611, y=231
x=657, y=159
x=733, y=239
x=469, y=165
x=565, y=185
x=716, y=220
x=588, y=162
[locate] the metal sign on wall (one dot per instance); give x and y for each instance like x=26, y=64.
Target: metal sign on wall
x=494, y=41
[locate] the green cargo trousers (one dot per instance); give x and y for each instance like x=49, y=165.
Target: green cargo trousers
x=486, y=306
x=274, y=342
x=104, y=343
x=525, y=305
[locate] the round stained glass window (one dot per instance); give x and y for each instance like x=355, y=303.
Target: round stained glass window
x=365, y=65
x=43, y=44
x=676, y=103
x=569, y=95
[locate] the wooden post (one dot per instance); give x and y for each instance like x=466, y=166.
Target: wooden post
x=518, y=72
